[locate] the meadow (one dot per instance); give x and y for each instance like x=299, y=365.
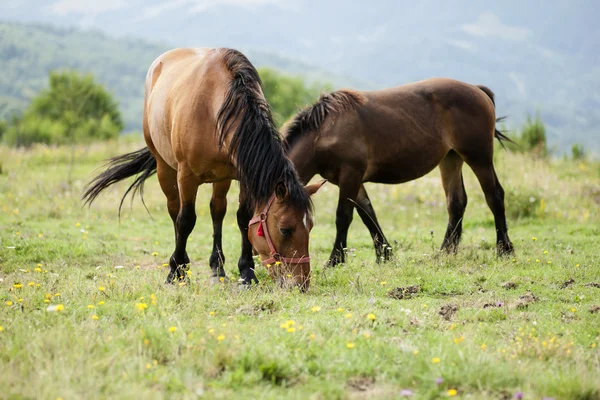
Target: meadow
x=84, y=312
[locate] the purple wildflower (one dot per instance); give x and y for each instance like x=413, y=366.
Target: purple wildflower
x=439, y=381
x=406, y=393
x=519, y=395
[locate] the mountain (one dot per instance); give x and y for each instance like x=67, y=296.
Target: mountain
x=29, y=51
x=535, y=55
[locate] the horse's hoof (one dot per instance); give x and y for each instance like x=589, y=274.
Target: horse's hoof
x=505, y=249
x=215, y=280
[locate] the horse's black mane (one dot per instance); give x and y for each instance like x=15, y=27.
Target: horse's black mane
x=312, y=117
x=256, y=146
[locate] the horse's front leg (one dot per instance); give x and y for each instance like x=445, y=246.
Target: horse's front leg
x=218, y=209
x=246, y=262
x=349, y=183
x=365, y=210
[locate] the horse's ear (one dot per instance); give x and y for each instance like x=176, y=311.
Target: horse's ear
x=281, y=191
x=312, y=189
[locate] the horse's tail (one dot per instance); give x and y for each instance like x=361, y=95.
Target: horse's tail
x=498, y=134
x=141, y=163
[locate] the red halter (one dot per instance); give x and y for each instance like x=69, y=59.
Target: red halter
x=263, y=230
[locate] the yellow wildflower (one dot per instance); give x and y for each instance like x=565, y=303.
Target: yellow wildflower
x=484, y=346
x=102, y=288
x=9, y=303
x=1, y=328
x=95, y=317
x=340, y=309
x=172, y=329
x=534, y=238
x=18, y=285
x=435, y=360
x=153, y=299
x=37, y=269
x=101, y=302
x=349, y=315
x=31, y=284
x=212, y=313
x=415, y=352
x=220, y=338
x=154, y=253
x=291, y=329
x=141, y=306
x=350, y=345
x=312, y=336
x=383, y=283
x=452, y=392
x=371, y=316
x=316, y=309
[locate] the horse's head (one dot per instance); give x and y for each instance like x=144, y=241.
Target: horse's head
x=279, y=232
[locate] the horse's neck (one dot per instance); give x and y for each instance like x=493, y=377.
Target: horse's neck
x=302, y=155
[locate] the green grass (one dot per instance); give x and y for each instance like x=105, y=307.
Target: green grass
x=223, y=342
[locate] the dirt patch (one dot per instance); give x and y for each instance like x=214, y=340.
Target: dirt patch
x=360, y=383
x=249, y=309
x=525, y=300
x=447, y=311
x=401, y=293
x=509, y=285
x=496, y=304
x=568, y=283
x=595, y=310
x=593, y=284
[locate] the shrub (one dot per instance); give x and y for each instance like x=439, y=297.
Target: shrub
x=578, y=152
x=74, y=109
x=533, y=136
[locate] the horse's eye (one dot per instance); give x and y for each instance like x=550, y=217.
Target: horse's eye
x=286, y=231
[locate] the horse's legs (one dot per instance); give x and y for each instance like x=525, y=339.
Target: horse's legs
x=349, y=184
x=456, y=199
x=494, y=196
x=186, y=219
x=245, y=263
x=218, y=208
x=367, y=214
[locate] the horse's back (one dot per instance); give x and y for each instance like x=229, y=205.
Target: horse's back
x=401, y=133
x=183, y=88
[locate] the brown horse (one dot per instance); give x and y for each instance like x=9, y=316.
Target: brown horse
x=206, y=121
x=397, y=135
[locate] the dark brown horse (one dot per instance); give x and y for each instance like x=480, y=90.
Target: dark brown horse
x=206, y=121
x=397, y=135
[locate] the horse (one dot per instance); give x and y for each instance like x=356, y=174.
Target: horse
x=206, y=120
x=397, y=135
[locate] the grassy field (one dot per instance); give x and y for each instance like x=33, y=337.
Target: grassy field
x=84, y=312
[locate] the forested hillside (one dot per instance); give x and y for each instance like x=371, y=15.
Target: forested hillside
x=29, y=52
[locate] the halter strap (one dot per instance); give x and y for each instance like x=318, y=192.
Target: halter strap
x=274, y=255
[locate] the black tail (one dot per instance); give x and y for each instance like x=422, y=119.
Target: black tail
x=140, y=163
x=498, y=134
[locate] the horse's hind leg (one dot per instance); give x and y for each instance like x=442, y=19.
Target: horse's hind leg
x=365, y=210
x=456, y=199
x=218, y=208
x=494, y=196
x=167, y=178
x=186, y=219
